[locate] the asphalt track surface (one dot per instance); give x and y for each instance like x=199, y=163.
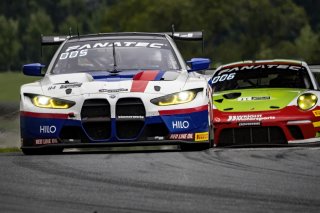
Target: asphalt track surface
x=216, y=180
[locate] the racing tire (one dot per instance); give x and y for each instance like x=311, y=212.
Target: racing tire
x=195, y=147
x=42, y=151
x=211, y=137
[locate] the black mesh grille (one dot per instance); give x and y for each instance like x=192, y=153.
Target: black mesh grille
x=252, y=136
x=153, y=130
x=130, y=115
x=96, y=118
x=72, y=132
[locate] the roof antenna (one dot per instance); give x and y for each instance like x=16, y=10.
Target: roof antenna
x=70, y=31
x=202, y=42
x=172, y=30
x=41, y=46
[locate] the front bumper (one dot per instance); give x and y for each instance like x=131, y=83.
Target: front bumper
x=118, y=144
x=171, y=127
x=277, y=127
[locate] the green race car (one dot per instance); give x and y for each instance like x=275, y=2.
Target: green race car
x=270, y=102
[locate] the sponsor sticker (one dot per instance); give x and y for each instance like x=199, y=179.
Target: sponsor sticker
x=261, y=66
x=316, y=113
x=113, y=90
x=201, y=136
x=258, y=117
x=316, y=124
x=249, y=124
x=185, y=136
x=71, y=85
x=261, y=98
x=46, y=141
x=130, y=117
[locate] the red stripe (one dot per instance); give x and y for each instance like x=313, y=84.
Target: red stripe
x=146, y=75
x=139, y=86
x=44, y=115
x=183, y=111
x=141, y=80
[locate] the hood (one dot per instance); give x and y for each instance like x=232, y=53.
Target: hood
x=254, y=99
x=149, y=81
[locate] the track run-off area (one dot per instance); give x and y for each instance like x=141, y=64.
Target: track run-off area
x=216, y=180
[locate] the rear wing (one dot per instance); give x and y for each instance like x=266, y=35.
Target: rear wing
x=186, y=36
x=183, y=36
x=315, y=69
x=53, y=40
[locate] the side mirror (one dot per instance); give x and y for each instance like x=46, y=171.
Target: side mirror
x=33, y=69
x=198, y=64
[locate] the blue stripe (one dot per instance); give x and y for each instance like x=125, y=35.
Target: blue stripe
x=159, y=76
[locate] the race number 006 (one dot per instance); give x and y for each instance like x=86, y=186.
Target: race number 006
x=223, y=77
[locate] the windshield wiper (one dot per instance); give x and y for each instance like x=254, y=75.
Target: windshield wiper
x=114, y=71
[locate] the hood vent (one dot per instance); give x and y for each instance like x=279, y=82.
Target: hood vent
x=274, y=107
x=219, y=100
x=233, y=95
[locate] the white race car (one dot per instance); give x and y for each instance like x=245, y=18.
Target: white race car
x=116, y=89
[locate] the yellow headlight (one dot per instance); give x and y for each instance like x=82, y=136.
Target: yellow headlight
x=176, y=98
x=307, y=101
x=54, y=103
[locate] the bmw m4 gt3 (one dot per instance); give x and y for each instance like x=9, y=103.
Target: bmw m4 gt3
x=116, y=89
x=273, y=102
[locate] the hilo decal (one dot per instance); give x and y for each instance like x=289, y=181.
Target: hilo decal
x=48, y=129
x=180, y=124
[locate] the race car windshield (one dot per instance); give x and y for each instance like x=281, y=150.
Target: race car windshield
x=255, y=77
x=100, y=55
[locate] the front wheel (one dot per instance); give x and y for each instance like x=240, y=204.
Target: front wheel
x=194, y=147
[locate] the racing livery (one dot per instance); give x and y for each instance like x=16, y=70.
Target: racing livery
x=116, y=89
x=270, y=102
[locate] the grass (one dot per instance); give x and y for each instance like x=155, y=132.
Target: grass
x=10, y=83
x=13, y=149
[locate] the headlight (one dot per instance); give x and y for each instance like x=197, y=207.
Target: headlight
x=49, y=102
x=307, y=101
x=176, y=98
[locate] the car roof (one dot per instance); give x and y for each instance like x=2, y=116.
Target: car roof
x=262, y=62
